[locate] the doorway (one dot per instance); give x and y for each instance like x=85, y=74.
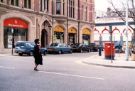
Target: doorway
x=44, y=38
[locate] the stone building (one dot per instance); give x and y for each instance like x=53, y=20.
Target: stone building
x=64, y=21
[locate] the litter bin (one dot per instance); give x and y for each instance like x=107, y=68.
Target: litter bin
x=109, y=51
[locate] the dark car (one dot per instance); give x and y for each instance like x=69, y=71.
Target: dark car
x=79, y=47
x=93, y=47
x=59, y=48
x=27, y=47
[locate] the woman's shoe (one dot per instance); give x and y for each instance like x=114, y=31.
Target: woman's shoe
x=35, y=69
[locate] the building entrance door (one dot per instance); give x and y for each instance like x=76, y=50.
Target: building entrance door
x=71, y=38
x=44, y=38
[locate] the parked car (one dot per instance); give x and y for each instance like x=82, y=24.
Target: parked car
x=93, y=47
x=59, y=48
x=27, y=47
x=79, y=47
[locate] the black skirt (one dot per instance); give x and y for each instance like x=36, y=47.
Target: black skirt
x=39, y=60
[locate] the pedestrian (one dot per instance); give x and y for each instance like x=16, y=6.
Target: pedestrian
x=37, y=54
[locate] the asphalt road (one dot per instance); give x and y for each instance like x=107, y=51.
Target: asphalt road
x=63, y=72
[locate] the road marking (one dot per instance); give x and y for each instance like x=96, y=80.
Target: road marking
x=80, y=61
x=3, y=67
x=71, y=75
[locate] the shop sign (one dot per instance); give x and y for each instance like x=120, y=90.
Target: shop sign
x=15, y=23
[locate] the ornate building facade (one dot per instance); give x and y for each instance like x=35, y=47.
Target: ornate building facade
x=64, y=21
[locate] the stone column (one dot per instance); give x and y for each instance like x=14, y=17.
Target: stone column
x=1, y=36
x=80, y=37
x=65, y=36
x=32, y=33
x=92, y=36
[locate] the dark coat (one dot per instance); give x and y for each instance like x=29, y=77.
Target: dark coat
x=37, y=55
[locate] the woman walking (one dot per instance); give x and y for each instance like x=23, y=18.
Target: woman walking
x=37, y=54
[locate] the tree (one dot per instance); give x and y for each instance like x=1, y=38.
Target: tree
x=131, y=14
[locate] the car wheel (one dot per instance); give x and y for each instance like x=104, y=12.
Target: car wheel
x=81, y=51
x=20, y=54
x=30, y=54
x=60, y=52
x=70, y=51
x=44, y=53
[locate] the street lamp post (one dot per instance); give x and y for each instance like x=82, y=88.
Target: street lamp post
x=110, y=30
x=100, y=45
x=127, y=50
x=12, y=30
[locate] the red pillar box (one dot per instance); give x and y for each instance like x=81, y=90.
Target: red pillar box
x=109, y=51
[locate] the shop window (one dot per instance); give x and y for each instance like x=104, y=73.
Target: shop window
x=27, y=4
x=19, y=35
x=15, y=2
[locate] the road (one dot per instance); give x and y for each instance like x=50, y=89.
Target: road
x=63, y=72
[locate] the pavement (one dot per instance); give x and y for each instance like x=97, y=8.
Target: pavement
x=118, y=62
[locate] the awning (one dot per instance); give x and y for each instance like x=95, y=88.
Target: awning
x=15, y=23
x=58, y=29
x=86, y=31
x=72, y=30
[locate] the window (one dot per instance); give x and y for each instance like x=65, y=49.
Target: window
x=58, y=7
x=85, y=17
x=1, y=1
x=27, y=4
x=44, y=5
x=14, y=2
x=82, y=12
x=71, y=8
x=63, y=7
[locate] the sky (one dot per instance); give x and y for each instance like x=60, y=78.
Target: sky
x=101, y=5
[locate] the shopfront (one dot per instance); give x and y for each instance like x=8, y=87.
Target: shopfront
x=86, y=36
x=15, y=29
x=58, y=36
x=72, y=34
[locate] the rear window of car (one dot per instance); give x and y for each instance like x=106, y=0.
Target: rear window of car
x=54, y=44
x=29, y=44
x=20, y=44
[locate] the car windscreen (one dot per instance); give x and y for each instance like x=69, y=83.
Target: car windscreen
x=30, y=45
